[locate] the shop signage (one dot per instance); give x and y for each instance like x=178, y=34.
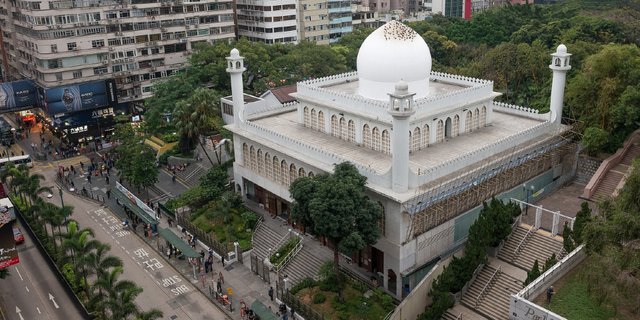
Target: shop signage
x=102, y=113
x=73, y=98
x=18, y=95
x=78, y=129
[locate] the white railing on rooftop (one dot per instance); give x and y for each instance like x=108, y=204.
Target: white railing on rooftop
x=449, y=166
x=251, y=114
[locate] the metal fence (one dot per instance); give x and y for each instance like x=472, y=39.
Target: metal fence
x=218, y=247
x=167, y=211
x=258, y=267
x=300, y=307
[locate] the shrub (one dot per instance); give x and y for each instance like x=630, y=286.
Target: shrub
x=319, y=298
x=305, y=283
x=170, y=137
x=595, y=139
x=250, y=219
x=282, y=252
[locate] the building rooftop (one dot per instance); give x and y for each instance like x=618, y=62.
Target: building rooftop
x=503, y=125
x=435, y=88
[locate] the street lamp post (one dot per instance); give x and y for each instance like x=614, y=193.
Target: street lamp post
x=529, y=190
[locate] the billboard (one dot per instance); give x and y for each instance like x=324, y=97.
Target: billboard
x=79, y=97
x=18, y=95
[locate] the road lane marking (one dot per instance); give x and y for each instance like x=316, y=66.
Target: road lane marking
x=27, y=288
x=53, y=299
x=19, y=312
x=37, y=308
x=20, y=275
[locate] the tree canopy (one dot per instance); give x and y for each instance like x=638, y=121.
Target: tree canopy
x=334, y=206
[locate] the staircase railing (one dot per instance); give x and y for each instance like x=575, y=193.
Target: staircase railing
x=521, y=244
x=459, y=317
x=488, y=285
x=255, y=228
x=279, y=266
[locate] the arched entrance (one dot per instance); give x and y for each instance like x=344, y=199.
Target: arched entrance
x=447, y=128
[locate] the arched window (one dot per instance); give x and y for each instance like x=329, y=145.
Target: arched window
x=440, y=131
x=483, y=116
x=375, y=134
x=284, y=170
x=238, y=64
x=476, y=119
x=311, y=174
x=268, y=165
x=415, y=139
x=351, y=134
x=301, y=173
x=456, y=126
x=314, y=119
x=293, y=173
x=425, y=136
x=276, y=170
x=467, y=122
x=335, y=131
x=260, y=162
x=252, y=155
x=245, y=155
x=366, y=136
x=307, y=119
x=343, y=129
x=321, y=121
x=386, y=142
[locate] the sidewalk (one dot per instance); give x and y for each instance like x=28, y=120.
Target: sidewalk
x=237, y=277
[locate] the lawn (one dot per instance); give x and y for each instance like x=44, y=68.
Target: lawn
x=355, y=306
x=572, y=299
x=226, y=233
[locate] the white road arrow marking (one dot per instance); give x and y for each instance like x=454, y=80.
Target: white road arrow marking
x=19, y=312
x=53, y=300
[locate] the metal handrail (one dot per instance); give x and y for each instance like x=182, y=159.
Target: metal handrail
x=459, y=317
x=288, y=257
x=488, y=285
x=521, y=244
x=256, y=227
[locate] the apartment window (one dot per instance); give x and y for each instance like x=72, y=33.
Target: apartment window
x=77, y=74
x=97, y=43
x=72, y=46
x=59, y=76
x=114, y=42
x=100, y=70
x=54, y=48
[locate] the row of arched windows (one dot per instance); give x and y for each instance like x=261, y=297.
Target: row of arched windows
x=271, y=167
x=381, y=141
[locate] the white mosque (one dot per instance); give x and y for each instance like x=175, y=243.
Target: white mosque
x=432, y=145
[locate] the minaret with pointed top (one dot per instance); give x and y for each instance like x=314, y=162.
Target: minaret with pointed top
x=400, y=108
x=559, y=65
x=235, y=67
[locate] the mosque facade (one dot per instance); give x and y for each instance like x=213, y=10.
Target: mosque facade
x=432, y=145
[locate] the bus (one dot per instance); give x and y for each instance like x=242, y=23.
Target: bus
x=17, y=160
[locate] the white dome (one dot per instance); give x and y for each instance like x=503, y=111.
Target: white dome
x=235, y=53
x=562, y=48
x=392, y=53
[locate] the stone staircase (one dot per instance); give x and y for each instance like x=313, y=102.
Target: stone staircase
x=449, y=316
x=306, y=264
x=494, y=303
x=536, y=246
x=265, y=238
x=190, y=176
x=632, y=153
x=608, y=185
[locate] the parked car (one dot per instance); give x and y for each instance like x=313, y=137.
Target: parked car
x=17, y=234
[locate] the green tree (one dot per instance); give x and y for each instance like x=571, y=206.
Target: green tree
x=340, y=211
x=583, y=217
x=196, y=116
x=77, y=243
x=533, y=274
x=567, y=239
x=595, y=139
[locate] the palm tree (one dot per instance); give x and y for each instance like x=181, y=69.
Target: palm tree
x=149, y=315
x=196, y=116
x=118, y=297
x=78, y=244
x=98, y=261
x=31, y=187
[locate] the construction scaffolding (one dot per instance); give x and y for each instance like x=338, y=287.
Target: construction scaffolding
x=466, y=189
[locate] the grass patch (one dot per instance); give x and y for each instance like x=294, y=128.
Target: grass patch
x=572, y=300
x=284, y=250
x=356, y=305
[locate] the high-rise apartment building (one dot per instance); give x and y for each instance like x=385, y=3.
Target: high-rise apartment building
x=268, y=21
x=62, y=42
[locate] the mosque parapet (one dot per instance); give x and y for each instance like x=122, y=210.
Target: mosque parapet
x=253, y=114
x=519, y=111
x=467, y=159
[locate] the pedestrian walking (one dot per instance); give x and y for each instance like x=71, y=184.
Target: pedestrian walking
x=173, y=178
x=222, y=259
x=221, y=277
x=219, y=286
x=106, y=179
x=271, y=293
x=108, y=193
x=550, y=293
x=89, y=178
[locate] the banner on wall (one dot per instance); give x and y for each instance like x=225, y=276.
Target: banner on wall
x=18, y=95
x=79, y=97
x=8, y=252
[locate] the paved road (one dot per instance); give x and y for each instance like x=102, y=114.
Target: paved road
x=164, y=288
x=25, y=294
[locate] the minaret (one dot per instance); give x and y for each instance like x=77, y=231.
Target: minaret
x=559, y=65
x=235, y=67
x=400, y=108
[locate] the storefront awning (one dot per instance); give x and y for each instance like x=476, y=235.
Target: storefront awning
x=178, y=243
x=133, y=207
